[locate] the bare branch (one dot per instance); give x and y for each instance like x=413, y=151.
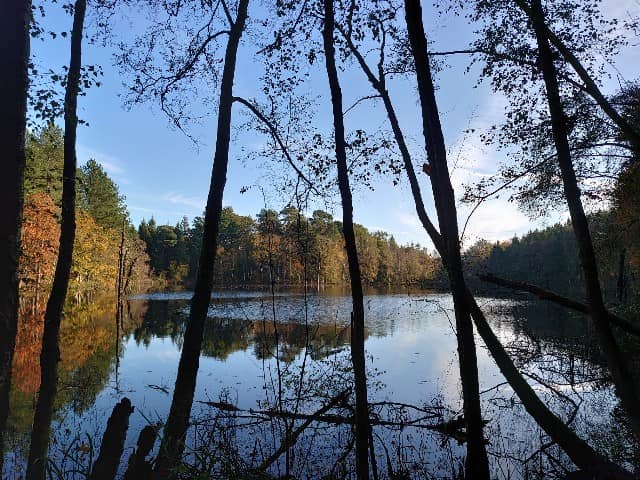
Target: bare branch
x=276, y=136
x=189, y=65
x=360, y=100
x=227, y=13
x=505, y=57
x=486, y=196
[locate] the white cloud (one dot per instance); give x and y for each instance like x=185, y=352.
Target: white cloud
x=409, y=220
x=493, y=220
x=469, y=158
x=142, y=209
x=621, y=9
x=470, y=161
x=111, y=164
x=180, y=199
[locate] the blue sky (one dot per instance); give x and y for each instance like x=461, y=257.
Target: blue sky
x=164, y=175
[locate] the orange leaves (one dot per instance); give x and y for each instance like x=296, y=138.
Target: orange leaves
x=26, y=357
x=40, y=237
x=95, y=255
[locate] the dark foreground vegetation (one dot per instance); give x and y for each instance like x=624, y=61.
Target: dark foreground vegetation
x=568, y=145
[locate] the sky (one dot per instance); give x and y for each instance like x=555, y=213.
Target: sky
x=164, y=174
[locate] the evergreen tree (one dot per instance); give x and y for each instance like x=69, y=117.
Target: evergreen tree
x=99, y=196
x=43, y=170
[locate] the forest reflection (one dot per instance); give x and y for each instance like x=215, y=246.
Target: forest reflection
x=225, y=335
x=553, y=349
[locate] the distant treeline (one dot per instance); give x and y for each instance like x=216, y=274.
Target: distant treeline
x=105, y=239
x=549, y=258
x=286, y=247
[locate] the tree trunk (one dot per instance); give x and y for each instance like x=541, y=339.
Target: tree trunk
x=50, y=354
x=139, y=468
x=177, y=424
x=581, y=454
x=620, y=322
x=476, y=464
x=578, y=450
x=14, y=80
x=621, y=283
x=622, y=378
x=628, y=130
x=362, y=426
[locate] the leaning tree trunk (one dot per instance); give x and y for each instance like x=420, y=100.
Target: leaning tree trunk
x=50, y=354
x=622, y=378
x=178, y=421
x=362, y=425
x=476, y=464
x=14, y=80
x=581, y=453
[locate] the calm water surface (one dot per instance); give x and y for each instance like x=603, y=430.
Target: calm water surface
x=411, y=358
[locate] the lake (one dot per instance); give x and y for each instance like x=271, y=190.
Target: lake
x=245, y=375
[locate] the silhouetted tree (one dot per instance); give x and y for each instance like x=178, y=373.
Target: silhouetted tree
x=362, y=425
x=476, y=464
x=622, y=378
x=14, y=58
x=177, y=423
x=50, y=355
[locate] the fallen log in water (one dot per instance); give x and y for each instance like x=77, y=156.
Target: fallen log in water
x=551, y=296
x=453, y=427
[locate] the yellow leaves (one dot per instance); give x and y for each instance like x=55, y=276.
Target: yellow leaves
x=95, y=258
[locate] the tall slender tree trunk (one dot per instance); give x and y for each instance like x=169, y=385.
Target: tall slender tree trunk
x=362, y=425
x=50, y=354
x=581, y=453
x=177, y=424
x=476, y=465
x=14, y=81
x=622, y=378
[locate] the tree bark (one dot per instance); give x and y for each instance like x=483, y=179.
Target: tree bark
x=139, y=468
x=621, y=283
x=14, y=81
x=177, y=424
x=362, y=426
x=50, y=354
x=622, y=378
x=476, y=464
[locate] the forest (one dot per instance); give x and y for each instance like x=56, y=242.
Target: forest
x=285, y=248
x=303, y=340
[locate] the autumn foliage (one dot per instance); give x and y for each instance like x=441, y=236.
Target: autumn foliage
x=94, y=274
x=40, y=235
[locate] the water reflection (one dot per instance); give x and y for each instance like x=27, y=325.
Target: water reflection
x=411, y=359
x=224, y=335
